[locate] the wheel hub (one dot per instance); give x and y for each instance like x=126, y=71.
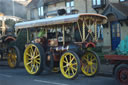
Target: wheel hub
x=124, y=75
x=68, y=64
x=90, y=63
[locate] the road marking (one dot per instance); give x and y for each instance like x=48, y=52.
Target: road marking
x=5, y=75
x=55, y=83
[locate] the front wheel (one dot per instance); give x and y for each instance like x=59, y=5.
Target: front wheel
x=70, y=65
x=14, y=57
x=90, y=63
x=33, y=59
x=121, y=74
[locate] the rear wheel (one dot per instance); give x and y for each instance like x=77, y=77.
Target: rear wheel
x=121, y=74
x=70, y=65
x=14, y=57
x=90, y=63
x=33, y=59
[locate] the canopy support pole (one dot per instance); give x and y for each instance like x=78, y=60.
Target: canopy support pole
x=83, y=31
x=27, y=35
x=63, y=35
x=73, y=33
x=79, y=30
x=95, y=30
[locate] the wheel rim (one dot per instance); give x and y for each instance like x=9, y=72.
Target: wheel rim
x=12, y=58
x=89, y=64
x=123, y=76
x=32, y=59
x=68, y=65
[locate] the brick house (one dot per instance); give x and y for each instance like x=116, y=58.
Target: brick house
x=116, y=11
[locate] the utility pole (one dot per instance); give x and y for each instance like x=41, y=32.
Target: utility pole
x=86, y=7
x=13, y=7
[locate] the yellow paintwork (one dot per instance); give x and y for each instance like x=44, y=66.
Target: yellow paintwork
x=32, y=59
x=68, y=65
x=12, y=58
x=89, y=64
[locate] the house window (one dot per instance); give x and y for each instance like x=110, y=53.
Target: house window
x=70, y=5
x=41, y=11
x=96, y=2
x=122, y=0
x=100, y=32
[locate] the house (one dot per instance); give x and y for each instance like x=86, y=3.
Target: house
x=23, y=2
x=116, y=28
x=12, y=8
x=47, y=8
x=116, y=11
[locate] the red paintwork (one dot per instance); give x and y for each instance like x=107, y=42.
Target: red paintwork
x=90, y=43
x=116, y=57
x=10, y=37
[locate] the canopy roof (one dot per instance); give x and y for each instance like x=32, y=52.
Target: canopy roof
x=60, y=20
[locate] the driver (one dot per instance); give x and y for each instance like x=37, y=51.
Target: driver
x=40, y=35
x=41, y=39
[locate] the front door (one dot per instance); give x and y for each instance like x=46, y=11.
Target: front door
x=115, y=34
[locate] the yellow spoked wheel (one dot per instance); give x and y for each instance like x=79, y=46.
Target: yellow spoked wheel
x=13, y=57
x=33, y=59
x=69, y=65
x=90, y=63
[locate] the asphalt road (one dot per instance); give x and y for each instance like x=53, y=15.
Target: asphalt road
x=19, y=76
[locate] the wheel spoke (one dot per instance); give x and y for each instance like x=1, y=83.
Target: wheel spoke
x=74, y=68
x=29, y=59
x=29, y=62
x=66, y=58
x=36, y=56
x=37, y=62
x=69, y=72
x=66, y=70
x=72, y=60
x=36, y=67
x=31, y=50
x=87, y=57
x=94, y=64
x=65, y=61
x=74, y=64
x=86, y=67
x=38, y=59
x=93, y=59
x=28, y=54
x=72, y=71
x=84, y=58
x=35, y=51
x=70, y=57
x=32, y=68
x=91, y=69
x=65, y=66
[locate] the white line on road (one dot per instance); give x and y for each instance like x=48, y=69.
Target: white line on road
x=50, y=82
x=5, y=75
